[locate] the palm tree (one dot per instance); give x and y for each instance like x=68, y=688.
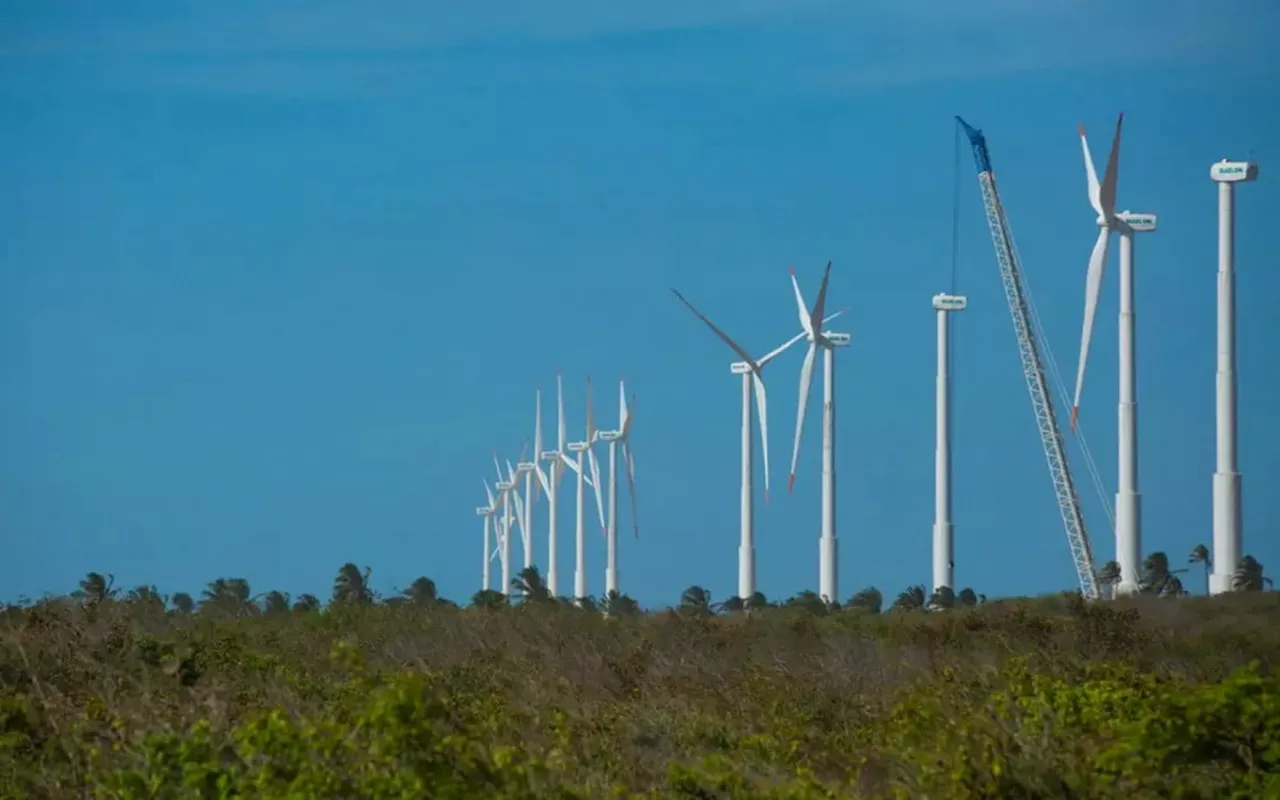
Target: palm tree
x=967, y=597
x=1249, y=577
x=95, y=588
x=1158, y=578
x=529, y=585
x=810, y=601
x=732, y=604
x=1200, y=555
x=231, y=595
x=489, y=598
x=276, y=602
x=421, y=592
x=756, y=601
x=943, y=598
x=306, y=603
x=182, y=603
x=352, y=586
x=1109, y=576
x=146, y=597
x=869, y=600
x=911, y=598
x=696, y=602
x=617, y=605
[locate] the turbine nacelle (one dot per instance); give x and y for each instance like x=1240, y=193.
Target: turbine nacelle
x=740, y=368
x=525, y=466
x=549, y=455
x=837, y=339
x=608, y=436
x=1137, y=223
x=949, y=302
x=484, y=511
x=1233, y=171
x=578, y=447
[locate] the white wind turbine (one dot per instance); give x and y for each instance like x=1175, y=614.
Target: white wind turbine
x=1102, y=196
x=487, y=513
x=619, y=438
x=581, y=449
x=506, y=488
x=751, y=370
x=1227, y=539
x=550, y=481
x=812, y=321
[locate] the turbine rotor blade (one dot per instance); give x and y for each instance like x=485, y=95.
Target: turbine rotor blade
x=806, y=381
x=594, y=464
x=1092, y=290
x=762, y=412
x=714, y=329
x=560, y=435
x=820, y=304
x=631, y=484
x=805, y=322
x=1091, y=175
x=1107, y=192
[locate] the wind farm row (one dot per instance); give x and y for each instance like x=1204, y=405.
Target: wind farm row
x=510, y=508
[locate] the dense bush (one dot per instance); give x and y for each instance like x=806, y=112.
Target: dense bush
x=1045, y=698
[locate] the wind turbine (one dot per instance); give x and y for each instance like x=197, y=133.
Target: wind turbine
x=618, y=439
x=506, y=488
x=487, y=513
x=1227, y=539
x=752, y=372
x=944, y=556
x=812, y=321
x=579, y=449
x=1102, y=196
x=550, y=479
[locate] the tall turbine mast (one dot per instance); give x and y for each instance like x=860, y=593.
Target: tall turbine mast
x=944, y=556
x=752, y=372
x=580, y=450
x=619, y=444
x=811, y=321
x=1227, y=538
x=550, y=481
x=487, y=512
x=1102, y=196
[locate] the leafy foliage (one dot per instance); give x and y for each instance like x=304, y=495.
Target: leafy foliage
x=110, y=695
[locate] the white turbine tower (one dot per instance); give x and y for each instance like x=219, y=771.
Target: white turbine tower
x=506, y=488
x=944, y=552
x=811, y=321
x=487, y=513
x=550, y=479
x=1227, y=539
x=1102, y=196
x=752, y=372
x=581, y=449
x=618, y=439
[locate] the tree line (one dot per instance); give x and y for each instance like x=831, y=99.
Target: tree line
x=234, y=596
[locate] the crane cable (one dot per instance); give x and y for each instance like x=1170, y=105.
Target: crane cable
x=953, y=330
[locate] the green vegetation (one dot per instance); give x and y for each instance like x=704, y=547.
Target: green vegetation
x=131, y=695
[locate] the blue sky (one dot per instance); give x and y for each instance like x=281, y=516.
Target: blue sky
x=276, y=278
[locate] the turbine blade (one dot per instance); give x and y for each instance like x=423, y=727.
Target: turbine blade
x=542, y=480
x=714, y=329
x=1091, y=175
x=805, y=322
x=1107, y=192
x=806, y=381
x=488, y=494
x=594, y=464
x=537, y=424
x=591, y=429
x=785, y=346
x=624, y=417
x=559, y=413
x=568, y=462
x=815, y=318
x=762, y=411
x=1092, y=290
x=497, y=468
x=631, y=484
x=628, y=412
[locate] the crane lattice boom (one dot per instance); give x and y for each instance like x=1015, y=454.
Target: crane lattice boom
x=1033, y=369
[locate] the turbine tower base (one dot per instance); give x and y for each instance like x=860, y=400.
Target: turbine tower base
x=827, y=546
x=746, y=571
x=1226, y=531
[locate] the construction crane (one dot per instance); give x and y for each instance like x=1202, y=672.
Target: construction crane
x=1055, y=452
